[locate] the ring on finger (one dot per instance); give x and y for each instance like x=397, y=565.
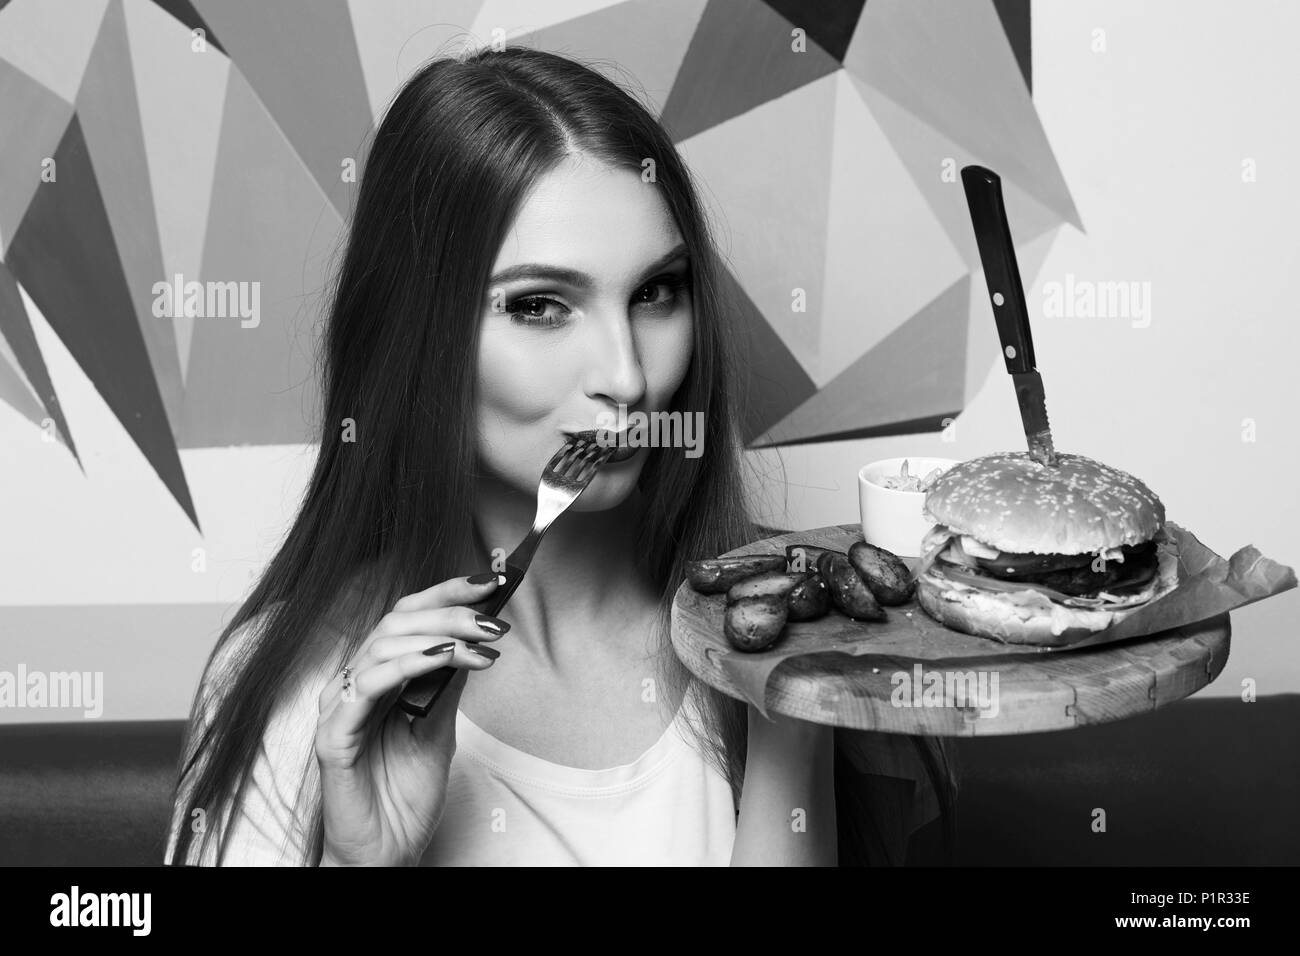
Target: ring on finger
x=349, y=691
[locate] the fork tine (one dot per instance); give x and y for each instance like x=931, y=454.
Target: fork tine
x=575, y=465
x=572, y=460
x=590, y=466
x=561, y=460
x=577, y=460
x=554, y=463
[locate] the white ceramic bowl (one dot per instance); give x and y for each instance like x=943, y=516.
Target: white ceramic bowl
x=891, y=519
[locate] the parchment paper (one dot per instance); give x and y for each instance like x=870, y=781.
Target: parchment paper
x=1208, y=586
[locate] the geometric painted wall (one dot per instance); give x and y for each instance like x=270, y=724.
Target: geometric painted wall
x=134, y=150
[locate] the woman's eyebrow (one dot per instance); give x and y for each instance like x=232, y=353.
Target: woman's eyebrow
x=573, y=277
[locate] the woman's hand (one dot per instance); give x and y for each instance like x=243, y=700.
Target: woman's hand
x=384, y=774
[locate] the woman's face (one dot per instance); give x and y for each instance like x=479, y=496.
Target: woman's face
x=588, y=308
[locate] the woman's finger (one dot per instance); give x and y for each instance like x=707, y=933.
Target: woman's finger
x=399, y=633
x=369, y=686
x=460, y=622
x=468, y=590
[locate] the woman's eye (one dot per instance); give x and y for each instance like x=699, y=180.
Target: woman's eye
x=535, y=310
x=661, y=294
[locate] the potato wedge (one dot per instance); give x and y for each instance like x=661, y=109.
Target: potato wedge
x=883, y=572
x=755, y=623
x=803, y=557
x=809, y=600
x=848, y=591
x=717, y=575
x=768, y=584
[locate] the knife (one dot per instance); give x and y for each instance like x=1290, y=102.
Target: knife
x=997, y=253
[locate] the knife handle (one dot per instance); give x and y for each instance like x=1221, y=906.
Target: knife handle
x=421, y=693
x=998, y=254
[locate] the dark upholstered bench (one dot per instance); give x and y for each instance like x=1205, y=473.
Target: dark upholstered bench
x=1203, y=781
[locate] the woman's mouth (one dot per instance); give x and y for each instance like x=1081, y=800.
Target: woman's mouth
x=623, y=454
x=608, y=438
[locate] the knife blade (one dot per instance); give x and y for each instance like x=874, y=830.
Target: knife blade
x=1033, y=415
x=1002, y=276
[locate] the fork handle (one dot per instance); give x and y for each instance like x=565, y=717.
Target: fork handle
x=421, y=693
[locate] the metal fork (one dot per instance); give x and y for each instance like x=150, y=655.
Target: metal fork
x=565, y=477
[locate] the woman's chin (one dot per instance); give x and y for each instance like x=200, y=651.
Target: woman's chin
x=611, y=485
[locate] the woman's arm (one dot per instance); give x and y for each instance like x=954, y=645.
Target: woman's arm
x=787, y=802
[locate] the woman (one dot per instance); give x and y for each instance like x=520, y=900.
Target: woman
x=527, y=256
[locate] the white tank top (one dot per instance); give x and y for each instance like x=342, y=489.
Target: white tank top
x=669, y=807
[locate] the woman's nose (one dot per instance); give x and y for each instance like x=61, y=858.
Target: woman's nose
x=614, y=370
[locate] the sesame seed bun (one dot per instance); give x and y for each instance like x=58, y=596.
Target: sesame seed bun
x=1013, y=503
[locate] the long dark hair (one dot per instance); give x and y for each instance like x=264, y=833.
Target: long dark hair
x=388, y=510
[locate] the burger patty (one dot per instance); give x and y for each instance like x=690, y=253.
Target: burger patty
x=1072, y=574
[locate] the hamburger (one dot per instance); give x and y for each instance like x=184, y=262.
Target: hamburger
x=1028, y=553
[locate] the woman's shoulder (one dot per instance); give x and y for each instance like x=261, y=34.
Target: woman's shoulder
x=330, y=627
x=317, y=657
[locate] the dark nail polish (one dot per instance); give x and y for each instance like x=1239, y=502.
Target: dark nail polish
x=493, y=625
x=440, y=649
x=483, y=577
x=491, y=653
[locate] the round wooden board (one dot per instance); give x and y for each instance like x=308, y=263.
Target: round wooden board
x=1034, y=691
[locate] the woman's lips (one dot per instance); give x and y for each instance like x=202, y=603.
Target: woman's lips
x=611, y=437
